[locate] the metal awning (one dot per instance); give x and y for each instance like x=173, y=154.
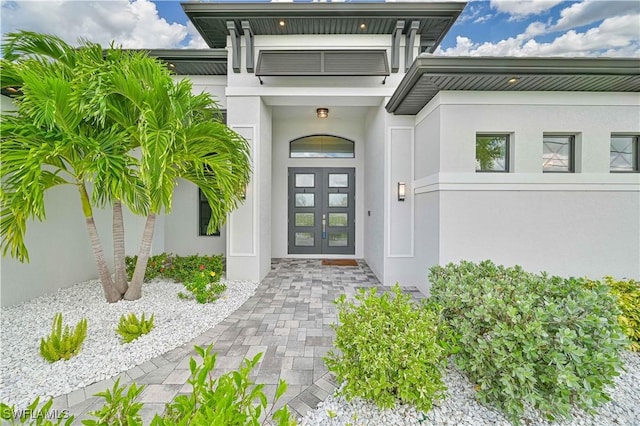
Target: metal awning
x=434, y=19
x=430, y=74
x=322, y=63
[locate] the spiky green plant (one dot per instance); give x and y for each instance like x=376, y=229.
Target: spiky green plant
x=63, y=344
x=130, y=327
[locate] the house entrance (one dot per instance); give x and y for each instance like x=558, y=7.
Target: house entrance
x=321, y=210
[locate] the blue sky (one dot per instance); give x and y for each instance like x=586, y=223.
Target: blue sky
x=495, y=27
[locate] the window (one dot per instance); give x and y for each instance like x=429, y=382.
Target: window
x=492, y=153
x=558, y=153
x=319, y=146
x=204, y=215
x=624, y=154
x=204, y=210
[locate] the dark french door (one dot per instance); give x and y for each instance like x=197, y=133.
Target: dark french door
x=321, y=210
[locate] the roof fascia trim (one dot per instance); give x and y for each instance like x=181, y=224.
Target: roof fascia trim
x=442, y=65
x=187, y=54
x=282, y=10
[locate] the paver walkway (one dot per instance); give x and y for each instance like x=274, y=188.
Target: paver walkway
x=288, y=319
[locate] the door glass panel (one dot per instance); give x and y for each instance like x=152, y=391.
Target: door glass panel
x=305, y=239
x=304, y=219
x=318, y=146
x=338, y=239
x=305, y=180
x=337, y=219
x=338, y=200
x=338, y=180
x=305, y=200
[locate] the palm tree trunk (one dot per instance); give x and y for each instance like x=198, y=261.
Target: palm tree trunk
x=119, y=249
x=110, y=292
x=135, y=288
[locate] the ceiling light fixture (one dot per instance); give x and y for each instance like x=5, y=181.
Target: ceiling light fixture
x=281, y=23
x=363, y=26
x=513, y=80
x=322, y=112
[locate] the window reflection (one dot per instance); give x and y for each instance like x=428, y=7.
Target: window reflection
x=492, y=153
x=318, y=146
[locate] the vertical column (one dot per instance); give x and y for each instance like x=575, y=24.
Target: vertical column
x=400, y=206
x=243, y=116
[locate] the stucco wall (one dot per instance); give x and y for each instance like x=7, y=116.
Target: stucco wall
x=569, y=233
x=265, y=189
x=374, y=217
x=582, y=223
x=59, y=249
x=181, y=226
x=293, y=122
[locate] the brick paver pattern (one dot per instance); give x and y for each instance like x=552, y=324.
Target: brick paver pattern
x=288, y=319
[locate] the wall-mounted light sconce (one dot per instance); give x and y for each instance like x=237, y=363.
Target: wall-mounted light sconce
x=322, y=112
x=401, y=191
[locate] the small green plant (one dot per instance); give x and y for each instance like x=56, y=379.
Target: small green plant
x=34, y=415
x=203, y=287
x=628, y=294
x=530, y=340
x=230, y=400
x=178, y=268
x=63, y=344
x=130, y=327
x=120, y=408
x=392, y=349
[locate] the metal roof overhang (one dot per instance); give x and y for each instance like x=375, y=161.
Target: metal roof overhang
x=193, y=61
x=210, y=19
x=429, y=74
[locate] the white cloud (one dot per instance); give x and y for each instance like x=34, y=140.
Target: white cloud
x=132, y=24
x=482, y=19
x=196, y=41
x=617, y=36
x=590, y=11
x=522, y=8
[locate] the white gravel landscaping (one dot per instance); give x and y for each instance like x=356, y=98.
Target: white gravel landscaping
x=24, y=374
x=460, y=408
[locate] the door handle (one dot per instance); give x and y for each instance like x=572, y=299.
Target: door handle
x=324, y=227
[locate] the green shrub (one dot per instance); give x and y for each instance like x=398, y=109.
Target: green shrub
x=203, y=288
x=183, y=267
x=63, y=345
x=178, y=268
x=34, y=415
x=543, y=341
x=628, y=294
x=392, y=349
x=130, y=327
x=120, y=408
x=230, y=400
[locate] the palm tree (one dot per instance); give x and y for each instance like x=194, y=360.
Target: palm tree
x=180, y=135
x=120, y=101
x=51, y=141
x=490, y=152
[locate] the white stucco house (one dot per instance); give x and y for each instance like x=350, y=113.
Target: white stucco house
x=367, y=146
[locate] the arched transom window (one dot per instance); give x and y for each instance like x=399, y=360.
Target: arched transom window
x=321, y=146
